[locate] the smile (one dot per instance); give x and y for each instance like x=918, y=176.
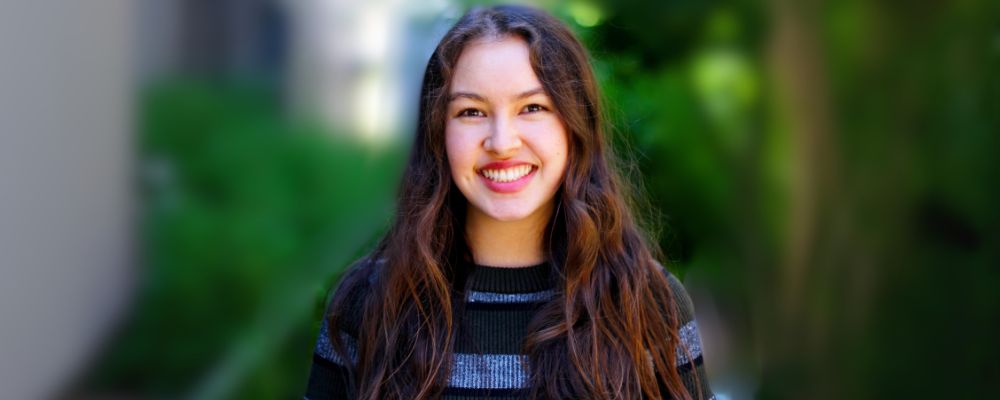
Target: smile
x=507, y=174
x=507, y=177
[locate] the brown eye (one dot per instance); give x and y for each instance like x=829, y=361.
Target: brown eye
x=531, y=108
x=470, y=112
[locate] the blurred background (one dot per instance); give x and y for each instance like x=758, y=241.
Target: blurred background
x=182, y=182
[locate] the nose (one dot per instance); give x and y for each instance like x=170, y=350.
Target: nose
x=504, y=140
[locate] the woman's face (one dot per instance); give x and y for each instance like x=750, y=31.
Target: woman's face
x=506, y=145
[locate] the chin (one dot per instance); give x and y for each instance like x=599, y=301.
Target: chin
x=508, y=216
x=509, y=213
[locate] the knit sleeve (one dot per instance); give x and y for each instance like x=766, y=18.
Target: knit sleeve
x=690, y=363
x=329, y=375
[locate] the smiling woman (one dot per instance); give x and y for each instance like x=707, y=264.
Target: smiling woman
x=514, y=267
x=507, y=149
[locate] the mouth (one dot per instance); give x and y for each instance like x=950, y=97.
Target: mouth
x=508, y=174
x=507, y=177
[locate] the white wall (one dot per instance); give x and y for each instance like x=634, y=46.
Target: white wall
x=66, y=203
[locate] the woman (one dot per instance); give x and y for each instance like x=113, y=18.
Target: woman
x=514, y=268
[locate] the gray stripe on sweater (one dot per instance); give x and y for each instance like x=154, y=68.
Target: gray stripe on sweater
x=324, y=348
x=475, y=371
x=494, y=371
x=488, y=371
x=491, y=297
x=691, y=339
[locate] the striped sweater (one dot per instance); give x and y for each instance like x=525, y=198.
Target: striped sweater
x=487, y=360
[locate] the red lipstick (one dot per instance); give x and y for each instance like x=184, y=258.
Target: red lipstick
x=503, y=164
x=506, y=187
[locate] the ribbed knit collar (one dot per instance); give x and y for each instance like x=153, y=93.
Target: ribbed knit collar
x=534, y=278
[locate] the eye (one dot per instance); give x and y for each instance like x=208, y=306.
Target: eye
x=532, y=108
x=470, y=112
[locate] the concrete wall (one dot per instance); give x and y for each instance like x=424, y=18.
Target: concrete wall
x=66, y=202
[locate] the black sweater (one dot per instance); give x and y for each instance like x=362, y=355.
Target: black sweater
x=487, y=361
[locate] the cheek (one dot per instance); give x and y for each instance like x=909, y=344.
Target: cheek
x=460, y=154
x=555, y=144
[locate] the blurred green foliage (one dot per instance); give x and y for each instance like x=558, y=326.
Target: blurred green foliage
x=243, y=212
x=827, y=170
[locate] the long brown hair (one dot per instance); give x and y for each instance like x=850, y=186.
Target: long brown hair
x=610, y=331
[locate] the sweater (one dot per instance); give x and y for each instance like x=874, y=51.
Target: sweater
x=487, y=360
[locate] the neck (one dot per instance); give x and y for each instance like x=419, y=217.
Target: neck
x=507, y=243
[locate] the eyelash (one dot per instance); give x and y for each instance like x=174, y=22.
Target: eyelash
x=467, y=112
x=540, y=107
x=532, y=108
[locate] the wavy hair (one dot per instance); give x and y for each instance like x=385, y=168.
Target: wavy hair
x=610, y=331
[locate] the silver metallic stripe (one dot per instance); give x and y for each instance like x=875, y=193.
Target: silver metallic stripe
x=489, y=371
x=690, y=339
x=325, y=349
x=491, y=297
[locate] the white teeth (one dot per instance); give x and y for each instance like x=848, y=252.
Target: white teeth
x=507, y=175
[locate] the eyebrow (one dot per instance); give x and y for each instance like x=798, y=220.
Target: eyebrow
x=474, y=96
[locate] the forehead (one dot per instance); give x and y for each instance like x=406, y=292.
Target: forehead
x=494, y=68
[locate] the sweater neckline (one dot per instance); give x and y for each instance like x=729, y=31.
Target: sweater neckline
x=532, y=278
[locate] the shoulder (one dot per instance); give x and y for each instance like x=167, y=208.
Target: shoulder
x=688, y=352
x=344, y=313
x=351, y=293
x=678, y=293
x=687, y=326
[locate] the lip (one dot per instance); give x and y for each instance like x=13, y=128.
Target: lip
x=506, y=187
x=503, y=165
